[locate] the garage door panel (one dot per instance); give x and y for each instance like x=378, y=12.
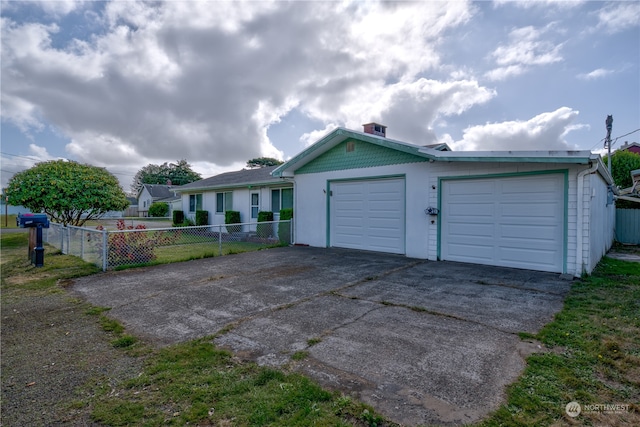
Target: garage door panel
x=469, y=252
x=479, y=209
x=515, y=257
x=532, y=232
x=474, y=188
x=466, y=230
x=518, y=221
x=379, y=212
x=530, y=210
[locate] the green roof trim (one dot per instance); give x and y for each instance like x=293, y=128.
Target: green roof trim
x=355, y=154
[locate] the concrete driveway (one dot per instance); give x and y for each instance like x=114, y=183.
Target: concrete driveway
x=422, y=342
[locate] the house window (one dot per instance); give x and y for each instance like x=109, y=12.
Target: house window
x=195, y=202
x=281, y=198
x=351, y=146
x=224, y=202
x=255, y=205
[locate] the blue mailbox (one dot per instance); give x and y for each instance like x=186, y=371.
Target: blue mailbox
x=32, y=220
x=35, y=223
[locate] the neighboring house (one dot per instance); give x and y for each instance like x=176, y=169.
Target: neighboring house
x=247, y=191
x=538, y=210
x=132, y=209
x=634, y=147
x=151, y=193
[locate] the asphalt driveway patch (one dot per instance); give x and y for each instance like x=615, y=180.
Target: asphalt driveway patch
x=423, y=342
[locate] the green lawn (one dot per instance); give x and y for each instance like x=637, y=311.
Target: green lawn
x=8, y=221
x=593, y=357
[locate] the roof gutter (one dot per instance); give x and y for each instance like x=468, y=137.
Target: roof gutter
x=574, y=157
x=230, y=186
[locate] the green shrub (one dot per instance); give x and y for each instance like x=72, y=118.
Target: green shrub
x=264, y=230
x=178, y=217
x=159, y=209
x=186, y=222
x=284, y=228
x=202, y=217
x=232, y=217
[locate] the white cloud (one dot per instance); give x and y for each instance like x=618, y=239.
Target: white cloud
x=619, y=16
x=530, y=4
x=311, y=137
x=596, y=74
x=12, y=164
x=205, y=80
x=526, y=48
x=545, y=131
x=59, y=7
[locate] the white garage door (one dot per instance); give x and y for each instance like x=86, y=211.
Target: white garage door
x=511, y=222
x=368, y=214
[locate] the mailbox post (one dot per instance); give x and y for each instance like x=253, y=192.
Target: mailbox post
x=35, y=223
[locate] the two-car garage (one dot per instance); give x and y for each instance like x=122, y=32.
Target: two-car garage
x=511, y=221
x=540, y=210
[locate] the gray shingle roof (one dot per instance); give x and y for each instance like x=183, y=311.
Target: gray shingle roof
x=233, y=179
x=159, y=191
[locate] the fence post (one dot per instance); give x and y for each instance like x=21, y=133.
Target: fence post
x=62, y=239
x=291, y=240
x=82, y=244
x=219, y=240
x=104, y=250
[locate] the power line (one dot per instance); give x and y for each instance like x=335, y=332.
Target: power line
x=41, y=160
x=616, y=139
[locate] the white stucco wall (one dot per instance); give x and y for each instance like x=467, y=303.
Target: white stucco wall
x=241, y=203
x=310, y=209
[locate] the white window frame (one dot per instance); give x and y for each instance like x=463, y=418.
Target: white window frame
x=277, y=209
x=195, y=203
x=227, y=201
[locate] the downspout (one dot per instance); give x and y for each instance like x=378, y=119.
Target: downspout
x=580, y=218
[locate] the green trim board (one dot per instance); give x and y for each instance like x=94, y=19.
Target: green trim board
x=355, y=154
x=564, y=172
x=365, y=178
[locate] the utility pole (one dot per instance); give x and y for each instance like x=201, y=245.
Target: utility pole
x=607, y=141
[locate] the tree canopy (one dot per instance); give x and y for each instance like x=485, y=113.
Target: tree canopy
x=623, y=162
x=261, y=162
x=178, y=173
x=70, y=193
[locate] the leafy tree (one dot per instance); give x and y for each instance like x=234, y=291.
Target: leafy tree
x=179, y=173
x=622, y=163
x=69, y=192
x=261, y=162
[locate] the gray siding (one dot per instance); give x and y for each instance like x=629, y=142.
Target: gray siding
x=628, y=226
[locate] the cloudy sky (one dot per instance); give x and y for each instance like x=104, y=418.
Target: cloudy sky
x=123, y=84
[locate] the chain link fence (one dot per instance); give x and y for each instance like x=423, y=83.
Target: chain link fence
x=136, y=245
